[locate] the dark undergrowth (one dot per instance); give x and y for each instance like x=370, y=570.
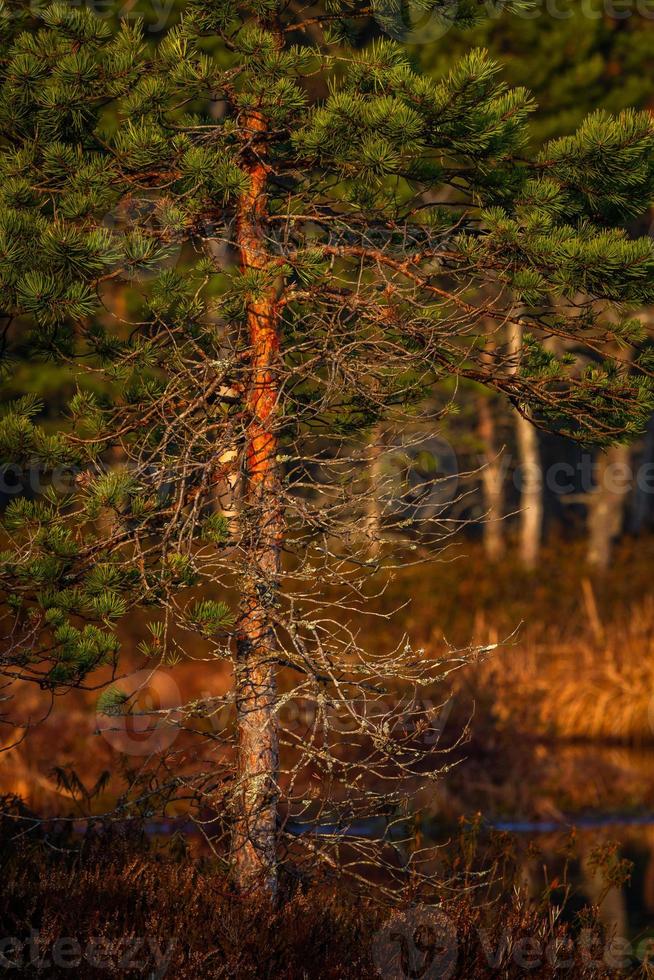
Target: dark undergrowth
x=117, y=905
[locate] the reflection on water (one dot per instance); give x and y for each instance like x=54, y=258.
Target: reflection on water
x=627, y=910
x=576, y=803
x=583, y=833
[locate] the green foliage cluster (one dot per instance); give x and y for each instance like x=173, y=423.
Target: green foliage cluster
x=114, y=153
x=575, y=57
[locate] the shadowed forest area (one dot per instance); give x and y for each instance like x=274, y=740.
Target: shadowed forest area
x=327, y=489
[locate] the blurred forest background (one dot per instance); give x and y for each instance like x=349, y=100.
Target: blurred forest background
x=553, y=560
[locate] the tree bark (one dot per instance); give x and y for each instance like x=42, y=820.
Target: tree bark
x=373, y=517
x=641, y=514
x=531, y=491
x=492, y=481
x=531, y=483
x=606, y=504
x=255, y=835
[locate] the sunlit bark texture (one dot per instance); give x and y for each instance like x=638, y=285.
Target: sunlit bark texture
x=258, y=751
x=492, y=480
x=530, y=470
x=606, y=503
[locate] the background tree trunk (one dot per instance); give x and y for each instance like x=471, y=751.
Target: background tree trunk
x=606, y=504
x=255, y=836
x=641, y=511
x=531, y=473
x=373, y=517
x=531, y=491
x=492, y=481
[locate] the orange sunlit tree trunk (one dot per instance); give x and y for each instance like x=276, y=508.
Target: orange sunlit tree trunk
x=258, y=750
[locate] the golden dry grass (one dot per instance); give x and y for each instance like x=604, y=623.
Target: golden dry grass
x=579, y=667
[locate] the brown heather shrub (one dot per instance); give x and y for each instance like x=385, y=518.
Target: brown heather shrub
x=116, y=889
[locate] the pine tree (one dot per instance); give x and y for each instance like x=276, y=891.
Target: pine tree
x=576, y=59
x=339, y=217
